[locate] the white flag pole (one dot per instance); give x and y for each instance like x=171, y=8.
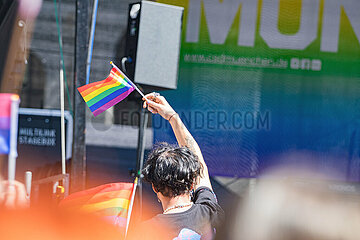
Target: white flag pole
x=131, y=205
x=129, y=81
x=28, y=178
x=15, y=101
x=62, y=121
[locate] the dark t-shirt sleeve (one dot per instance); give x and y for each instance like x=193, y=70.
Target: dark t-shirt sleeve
x=208, y=201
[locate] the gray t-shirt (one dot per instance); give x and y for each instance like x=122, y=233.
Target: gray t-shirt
x=198, y=222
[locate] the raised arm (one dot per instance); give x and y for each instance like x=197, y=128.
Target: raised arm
x=158, y=104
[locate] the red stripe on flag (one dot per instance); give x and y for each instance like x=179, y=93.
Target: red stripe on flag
x=88, y=194
x=117, y=73
x=87, y=86
x=5, y=104
x=94, y=88
x=89, y=89
x=113, y=73
x=97, y=198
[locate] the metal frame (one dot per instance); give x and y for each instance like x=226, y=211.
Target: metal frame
x=53, y=180
x=54, y=113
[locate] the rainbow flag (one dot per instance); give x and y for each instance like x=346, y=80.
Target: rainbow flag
x=5, y=121
x=102, y=95
x=110, y=201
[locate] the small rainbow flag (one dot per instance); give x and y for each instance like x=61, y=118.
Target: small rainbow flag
x=102, y=95
x=112, y=202
x=5, y=121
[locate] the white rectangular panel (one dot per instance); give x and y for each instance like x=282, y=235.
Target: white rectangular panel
x=158, y=49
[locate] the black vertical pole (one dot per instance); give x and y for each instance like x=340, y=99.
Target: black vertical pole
x=78, y=162
x=140, y=154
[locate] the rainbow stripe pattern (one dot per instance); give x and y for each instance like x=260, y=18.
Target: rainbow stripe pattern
x=110, y=202
x=5, y=120
x=102, y=95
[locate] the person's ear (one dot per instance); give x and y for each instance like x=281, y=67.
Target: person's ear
x=152, y=185
x=192, y=186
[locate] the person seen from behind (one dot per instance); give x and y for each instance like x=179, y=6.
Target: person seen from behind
x=179, y=177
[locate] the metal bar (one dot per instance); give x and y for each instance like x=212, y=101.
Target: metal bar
x=78, y=163
x=51, y=179
x=62, y=124
x=62, y=99
x=140, y=154
x=91, y=40
x=35, y=197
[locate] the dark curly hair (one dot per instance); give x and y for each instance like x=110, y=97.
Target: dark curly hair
x=171, y=169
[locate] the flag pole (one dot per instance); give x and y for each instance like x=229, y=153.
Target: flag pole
x=129, y=81
x=62, y=120
x=131, y=206
x=13, y=138
x=62, y=99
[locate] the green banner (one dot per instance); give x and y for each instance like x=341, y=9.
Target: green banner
x=293, y=36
